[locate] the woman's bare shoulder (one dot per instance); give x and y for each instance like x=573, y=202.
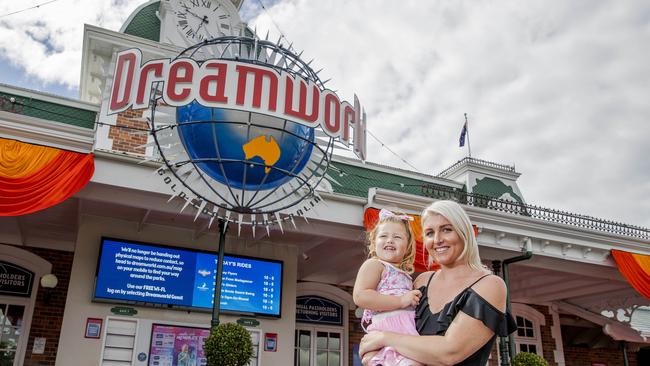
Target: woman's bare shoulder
x=493, y=290
x=422, y=279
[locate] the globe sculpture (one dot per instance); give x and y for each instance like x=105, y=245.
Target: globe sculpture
x=241, y=156
x=233, y=161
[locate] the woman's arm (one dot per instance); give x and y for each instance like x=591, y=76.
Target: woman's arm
x=365, y=293
x=464, y=336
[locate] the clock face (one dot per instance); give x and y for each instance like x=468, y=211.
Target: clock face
x=199, y=20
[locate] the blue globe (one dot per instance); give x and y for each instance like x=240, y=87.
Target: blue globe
x=244, y=156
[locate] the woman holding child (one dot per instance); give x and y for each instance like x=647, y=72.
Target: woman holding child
x=462, y=306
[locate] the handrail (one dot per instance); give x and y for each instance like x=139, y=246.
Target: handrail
x=536, y=212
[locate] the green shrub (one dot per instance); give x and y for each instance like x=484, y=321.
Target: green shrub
x=229, y=344
x=528, y=359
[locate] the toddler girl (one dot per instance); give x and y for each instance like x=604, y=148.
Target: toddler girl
x=384, y=287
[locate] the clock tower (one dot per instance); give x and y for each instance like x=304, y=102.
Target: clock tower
x=187, y=22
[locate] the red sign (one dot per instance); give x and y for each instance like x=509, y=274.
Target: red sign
x=93, y=328
x=236, y=85
x=270, y=342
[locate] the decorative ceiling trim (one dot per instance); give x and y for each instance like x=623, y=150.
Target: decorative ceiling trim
x=616, y=330
x=47, y=133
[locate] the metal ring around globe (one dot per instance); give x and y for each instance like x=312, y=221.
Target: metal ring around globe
x=250, y=203
x=224, y=195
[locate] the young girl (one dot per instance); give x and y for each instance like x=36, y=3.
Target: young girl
x=384, y=287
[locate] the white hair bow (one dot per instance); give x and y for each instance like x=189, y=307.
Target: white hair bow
x=385, y=214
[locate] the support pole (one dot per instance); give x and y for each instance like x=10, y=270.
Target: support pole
x=506, y=274
x=503, y=341
x=216, y=306
x=626, y=362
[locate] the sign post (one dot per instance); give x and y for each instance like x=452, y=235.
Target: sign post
x=216, y=307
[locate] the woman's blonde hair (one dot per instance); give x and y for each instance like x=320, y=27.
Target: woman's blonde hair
x=406, y=264
x=459, y=220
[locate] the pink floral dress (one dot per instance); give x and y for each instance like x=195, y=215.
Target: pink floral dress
x=393, y=282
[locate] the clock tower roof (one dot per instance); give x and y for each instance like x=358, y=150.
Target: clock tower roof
x=144, y=22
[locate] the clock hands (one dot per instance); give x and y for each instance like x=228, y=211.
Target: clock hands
x=204, y=19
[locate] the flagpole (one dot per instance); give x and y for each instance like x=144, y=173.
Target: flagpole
x=469, y=148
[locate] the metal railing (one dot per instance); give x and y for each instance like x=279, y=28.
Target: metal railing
x=484, y=163
x=536, y=212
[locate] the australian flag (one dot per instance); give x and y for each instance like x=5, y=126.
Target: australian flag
x=461, y=141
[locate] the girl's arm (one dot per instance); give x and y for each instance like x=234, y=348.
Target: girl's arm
x=464, y=336
x=365, y=293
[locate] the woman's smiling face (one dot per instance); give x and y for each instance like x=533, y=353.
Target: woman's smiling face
x=441, y=240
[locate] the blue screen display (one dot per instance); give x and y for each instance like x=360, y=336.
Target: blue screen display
x=162, y=275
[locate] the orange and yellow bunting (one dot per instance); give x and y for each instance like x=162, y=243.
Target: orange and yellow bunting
x=636, y=270
x=34, y=177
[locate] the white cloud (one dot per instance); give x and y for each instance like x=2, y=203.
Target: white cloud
x=557, y=88
x=47, y=41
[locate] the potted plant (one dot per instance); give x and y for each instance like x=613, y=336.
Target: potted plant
x=528, y=359
x=229, y=344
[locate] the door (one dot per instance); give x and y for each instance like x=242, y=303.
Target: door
x=318, y=346
x=11, y=332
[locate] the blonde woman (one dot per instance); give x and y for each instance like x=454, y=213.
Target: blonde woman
x=462, y=308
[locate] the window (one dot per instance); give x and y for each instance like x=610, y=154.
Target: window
x=528, y=337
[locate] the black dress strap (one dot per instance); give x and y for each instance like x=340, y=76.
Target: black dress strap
x=430, y=278
x=480, y=278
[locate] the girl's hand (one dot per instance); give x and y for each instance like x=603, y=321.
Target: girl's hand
x=373, y=341
x=411, y=298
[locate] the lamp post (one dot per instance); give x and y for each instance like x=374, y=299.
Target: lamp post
x=503, y=341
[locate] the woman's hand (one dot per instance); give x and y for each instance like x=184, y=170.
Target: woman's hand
x=373, y=341
x=411, y=298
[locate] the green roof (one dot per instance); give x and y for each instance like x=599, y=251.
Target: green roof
x=145, y=23
x=356, y=181
x=50, y=111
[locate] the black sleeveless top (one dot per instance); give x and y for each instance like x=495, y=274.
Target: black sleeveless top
x=472, y=304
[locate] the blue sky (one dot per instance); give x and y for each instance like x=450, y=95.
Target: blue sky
x=15, y=75
x=557, y=88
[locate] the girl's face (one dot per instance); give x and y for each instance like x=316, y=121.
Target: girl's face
x=441, y=240
x=391, y=242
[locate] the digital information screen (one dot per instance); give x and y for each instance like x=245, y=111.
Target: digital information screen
x=153, y=274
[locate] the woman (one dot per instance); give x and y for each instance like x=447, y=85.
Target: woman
x=462, y=309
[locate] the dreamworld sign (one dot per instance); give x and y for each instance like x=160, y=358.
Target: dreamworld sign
x=246, y=134
x=240, y=86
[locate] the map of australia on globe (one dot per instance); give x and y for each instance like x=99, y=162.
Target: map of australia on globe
x=244, y=151
x=266, y=149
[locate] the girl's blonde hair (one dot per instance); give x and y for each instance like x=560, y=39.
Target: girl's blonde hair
x=459, y=220
x=406, y=264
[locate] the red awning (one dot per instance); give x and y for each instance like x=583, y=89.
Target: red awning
x=33, y=178
x=636, y=270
